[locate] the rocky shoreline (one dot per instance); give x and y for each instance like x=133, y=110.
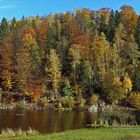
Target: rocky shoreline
x=91, y=108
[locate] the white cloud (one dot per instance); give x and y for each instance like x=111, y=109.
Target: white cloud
x=7, y=6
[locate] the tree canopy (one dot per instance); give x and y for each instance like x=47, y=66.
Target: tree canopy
x=96, y=51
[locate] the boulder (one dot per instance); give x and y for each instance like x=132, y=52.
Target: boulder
x=93, y=108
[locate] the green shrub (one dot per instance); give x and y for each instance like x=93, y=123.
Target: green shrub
x=71, y=102
x=67, y=89
x=81, y=102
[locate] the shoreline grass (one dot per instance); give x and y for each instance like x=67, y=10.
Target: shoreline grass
x=84, y=134
x=9, y=133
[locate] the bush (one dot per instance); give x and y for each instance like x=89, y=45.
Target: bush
x=67, y=89
x=71, y=102
x=135, y=100
x=81, y=102
x=94, y=99
x=34, y=91
x=44, y=101
x=68, y=102
x=112, y=87
x=59, y=105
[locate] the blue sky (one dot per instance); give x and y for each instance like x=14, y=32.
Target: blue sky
x=18, y=8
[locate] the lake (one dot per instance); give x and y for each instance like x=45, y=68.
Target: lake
x=47, y=121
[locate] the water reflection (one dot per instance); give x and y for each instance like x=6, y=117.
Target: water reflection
x=47, y=121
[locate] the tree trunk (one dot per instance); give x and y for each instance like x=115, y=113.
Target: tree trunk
x=0, y=97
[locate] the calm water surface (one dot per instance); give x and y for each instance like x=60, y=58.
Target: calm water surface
x=46, y=121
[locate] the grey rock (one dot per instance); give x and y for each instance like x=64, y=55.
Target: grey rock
x=93, y=108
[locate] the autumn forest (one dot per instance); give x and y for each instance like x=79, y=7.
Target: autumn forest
x=73, y=58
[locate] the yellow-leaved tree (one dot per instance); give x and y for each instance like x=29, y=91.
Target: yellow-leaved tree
x=31, y=45
x=54, y=72
x=74, y=53
x=127, y=85
x=112, y=86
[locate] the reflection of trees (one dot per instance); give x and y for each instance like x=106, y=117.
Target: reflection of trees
x=46, y=121
x=52, y=121
x=68, y=117
x=78, y=119
x=9, y=119
x=92, y=117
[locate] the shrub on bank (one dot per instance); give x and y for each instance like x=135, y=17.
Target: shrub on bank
x=135, y=100
x=59, y=105
x=94, y=99
x=71, y=102
x=68, y=102
x=81, y=102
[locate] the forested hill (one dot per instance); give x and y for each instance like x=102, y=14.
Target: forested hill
x=74, y=55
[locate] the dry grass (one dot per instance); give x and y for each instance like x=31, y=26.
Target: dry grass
x=14, y=133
